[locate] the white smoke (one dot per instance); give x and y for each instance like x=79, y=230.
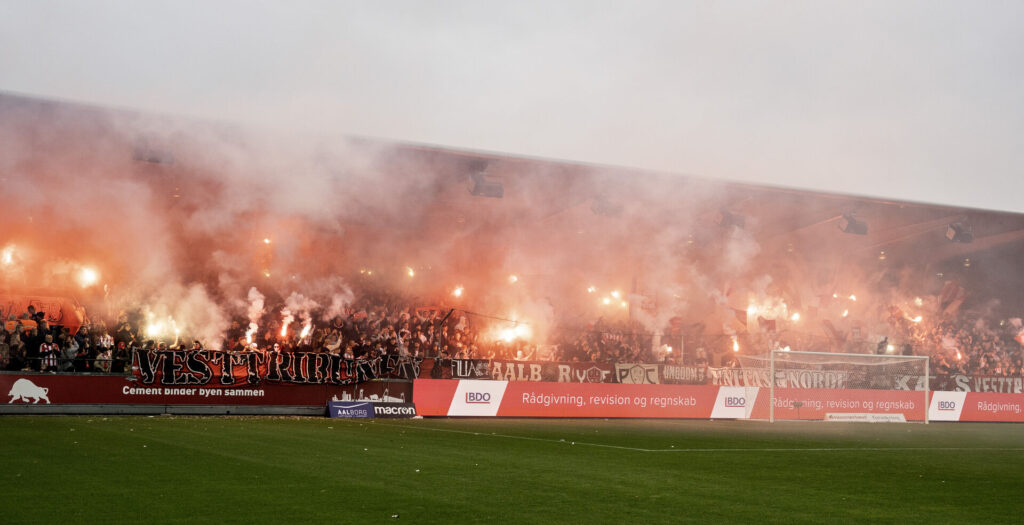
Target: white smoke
x=254, y=312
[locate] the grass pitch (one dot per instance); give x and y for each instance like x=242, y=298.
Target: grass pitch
x=244, y=470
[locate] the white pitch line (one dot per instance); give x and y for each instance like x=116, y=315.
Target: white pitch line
x=635, y=449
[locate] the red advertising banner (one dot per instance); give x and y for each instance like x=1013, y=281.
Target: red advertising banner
x=992, y=407
x=535, y=399
x=528, y=399
x=433, y=397
x=815, y=403
x=117, y=390
x=607, y=400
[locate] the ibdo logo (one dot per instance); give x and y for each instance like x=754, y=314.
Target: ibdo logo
x=478, y=397
x=947, y=405
x=735, y=402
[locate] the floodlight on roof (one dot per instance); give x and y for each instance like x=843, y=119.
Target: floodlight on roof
x=849, y=224
x=485, y=187
x=727, y=219
x=960, y=232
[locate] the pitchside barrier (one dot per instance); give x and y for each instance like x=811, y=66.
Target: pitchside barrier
x=797, y=386
x=77, y=393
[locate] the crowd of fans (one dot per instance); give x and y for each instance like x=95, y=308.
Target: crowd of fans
x=383, y=324
x=970, y=346
x=28, y=342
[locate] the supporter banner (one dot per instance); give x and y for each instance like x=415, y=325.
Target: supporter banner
x=562, y=372
x=550, y=372
x=966, y=383
x=699, y=375
x=528, y=399
x=585, y=373
x=211, y=368
x=471, y=369
x=915, y=382
x=23, y=388
x=636, y=374
x=961, y=383
x=783, y=378
x=684, y=375
x=522, y=371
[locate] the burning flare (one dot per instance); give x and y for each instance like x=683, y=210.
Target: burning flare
x=735, y=344
x=156, y=328
x=88, y=277
x=285, y=321
x=519, y=331
x=253, y=327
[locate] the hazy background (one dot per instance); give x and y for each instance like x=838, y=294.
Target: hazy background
x=907, y=100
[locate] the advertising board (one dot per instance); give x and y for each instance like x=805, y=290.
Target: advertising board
x=76, y=389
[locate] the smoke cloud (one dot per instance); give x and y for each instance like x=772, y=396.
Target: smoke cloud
x=202, y=224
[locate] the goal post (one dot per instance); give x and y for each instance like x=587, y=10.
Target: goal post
x=844, y=387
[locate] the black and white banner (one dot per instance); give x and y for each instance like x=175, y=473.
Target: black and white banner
x=783, y=378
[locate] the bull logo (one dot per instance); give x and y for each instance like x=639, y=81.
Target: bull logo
x=23, y=389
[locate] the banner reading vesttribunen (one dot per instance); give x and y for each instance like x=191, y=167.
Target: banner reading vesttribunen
x=211, y=368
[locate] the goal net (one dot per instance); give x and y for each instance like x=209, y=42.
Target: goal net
x=844, y=387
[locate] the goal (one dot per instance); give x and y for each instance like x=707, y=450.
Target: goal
x=844, y=387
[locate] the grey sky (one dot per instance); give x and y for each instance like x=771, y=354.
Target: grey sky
x=908, y=100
